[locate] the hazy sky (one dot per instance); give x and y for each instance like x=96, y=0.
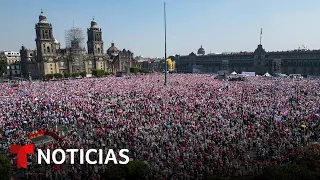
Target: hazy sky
x=138, y=25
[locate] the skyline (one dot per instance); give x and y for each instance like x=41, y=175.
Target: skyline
x=220, y=26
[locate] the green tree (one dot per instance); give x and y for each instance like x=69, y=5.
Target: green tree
x=3, y=67
x=108, y=73
x=57, y=75
x=98, y=72
x=143, y=70
x=83, y=74
x=134, y=70
x=48, y=76
x=288, y=171
x=75, y=74
x=137, y=170
x=66, y=75
x=5, y=167
x=115, y=172
x=134, y=170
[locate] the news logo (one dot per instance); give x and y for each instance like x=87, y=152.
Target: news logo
x=47, y=156
x=22, y=152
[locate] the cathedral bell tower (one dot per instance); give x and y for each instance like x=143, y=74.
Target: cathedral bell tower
x=44, y=38
x=94, y=43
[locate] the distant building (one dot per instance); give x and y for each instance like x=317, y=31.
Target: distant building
x=13, y=63
x=150, y=64
x=50, y=58
x=301, y=61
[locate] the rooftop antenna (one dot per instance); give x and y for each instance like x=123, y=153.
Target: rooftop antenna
x=260, y=36
x=74, y=36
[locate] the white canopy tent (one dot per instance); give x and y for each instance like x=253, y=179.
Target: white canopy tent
x=234, y=73
x=267, y=75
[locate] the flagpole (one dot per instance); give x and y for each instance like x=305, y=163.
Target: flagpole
x=165, y=47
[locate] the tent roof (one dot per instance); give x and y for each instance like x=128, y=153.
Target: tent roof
x=267, y=74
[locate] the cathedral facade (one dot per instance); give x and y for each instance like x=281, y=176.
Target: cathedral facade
x=50, y=58
x=301, y=61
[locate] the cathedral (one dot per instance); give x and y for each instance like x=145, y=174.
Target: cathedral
x=50, y=58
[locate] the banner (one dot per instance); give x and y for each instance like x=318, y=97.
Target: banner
x=277, y=118
x=35, y=135
x=248, y=73
x=196, y=69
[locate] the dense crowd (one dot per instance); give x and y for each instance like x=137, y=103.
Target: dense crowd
x=194, y=127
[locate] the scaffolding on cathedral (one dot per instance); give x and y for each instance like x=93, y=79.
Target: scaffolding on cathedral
x=74, y=41
x=74, y=34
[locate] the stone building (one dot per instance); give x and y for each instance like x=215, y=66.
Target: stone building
x=301, y=61
x=50, y=58
x=13, y=63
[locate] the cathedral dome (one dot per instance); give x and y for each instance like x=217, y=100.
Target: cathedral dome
x=42, y=18
x=94, y=23
x=113, y=49
x=201, y=51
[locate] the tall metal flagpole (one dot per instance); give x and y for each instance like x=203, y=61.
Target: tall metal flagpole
x=165, y=48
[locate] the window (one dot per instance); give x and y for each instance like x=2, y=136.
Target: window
x=51, y=68
x=15, y=72
x=48, y=49
x=51, y=72
x=46, y=34
x=50, y=64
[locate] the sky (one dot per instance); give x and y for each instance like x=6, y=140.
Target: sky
x=138, y=25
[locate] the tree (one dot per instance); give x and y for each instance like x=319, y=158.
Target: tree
x=108, y=73
x=5, y=167
x=134, y=70
x=98, y=72
x=115, y=172
x=143, y=70
x=137, y=170
x=75, y=74
x=134, y=170
x=288, y=171
x=83, y=74
x=3, y=67
x=305, y=166
x=66, y=75
x=48, y=76
x=57, y=75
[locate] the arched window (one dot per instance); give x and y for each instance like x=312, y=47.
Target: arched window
x=99, y=50
x=48, y=49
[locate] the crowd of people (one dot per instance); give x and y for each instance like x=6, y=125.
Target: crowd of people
x=194, y=127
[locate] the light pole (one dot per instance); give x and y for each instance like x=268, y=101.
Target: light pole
x=165, y=48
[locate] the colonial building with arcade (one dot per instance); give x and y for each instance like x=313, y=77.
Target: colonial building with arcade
x=50, y=58
x=300, y=61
